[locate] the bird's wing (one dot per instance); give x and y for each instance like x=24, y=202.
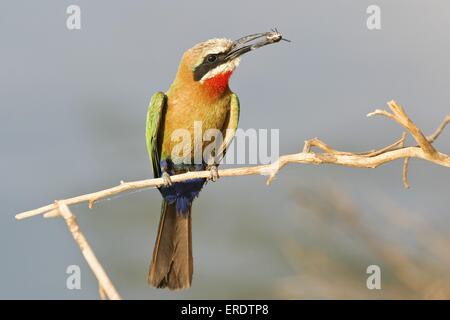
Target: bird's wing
x=230, y=126
x=156, y=109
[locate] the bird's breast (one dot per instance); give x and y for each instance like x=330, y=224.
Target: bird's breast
x=192, y=115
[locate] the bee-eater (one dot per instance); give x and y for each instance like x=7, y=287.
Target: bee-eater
x=200, y=92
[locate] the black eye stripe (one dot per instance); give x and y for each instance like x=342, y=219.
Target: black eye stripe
x=207, y=65
x=211, y=57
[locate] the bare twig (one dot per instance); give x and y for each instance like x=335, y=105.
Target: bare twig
x=371, y=159
x=423, y=150
x=405, y=173
x=101, y=292
x=106, y=287
x=439, y=130
x=398, y=114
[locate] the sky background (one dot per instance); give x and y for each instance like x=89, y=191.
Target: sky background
x=72, y=121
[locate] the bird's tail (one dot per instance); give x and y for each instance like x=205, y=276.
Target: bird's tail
x=172, y=262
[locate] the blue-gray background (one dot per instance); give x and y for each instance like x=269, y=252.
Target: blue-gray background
x=72, y=118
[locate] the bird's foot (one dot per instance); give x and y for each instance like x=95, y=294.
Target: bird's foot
x=214, y=173
x=167, y=181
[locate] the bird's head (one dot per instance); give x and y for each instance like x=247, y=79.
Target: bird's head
x=211, y=63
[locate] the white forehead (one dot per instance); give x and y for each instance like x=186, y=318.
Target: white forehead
x=213, y=46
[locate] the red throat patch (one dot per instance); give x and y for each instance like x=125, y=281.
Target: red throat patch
x=218, y=83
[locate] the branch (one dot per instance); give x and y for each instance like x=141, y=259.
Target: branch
x=106, y=288
x=372, y=159
x=398, y=114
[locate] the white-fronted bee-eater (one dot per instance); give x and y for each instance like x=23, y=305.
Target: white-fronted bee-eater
x=199, y=93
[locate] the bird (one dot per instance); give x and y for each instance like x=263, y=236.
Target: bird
x=199, y=93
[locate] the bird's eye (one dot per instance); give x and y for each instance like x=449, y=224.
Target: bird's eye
x=211, y=58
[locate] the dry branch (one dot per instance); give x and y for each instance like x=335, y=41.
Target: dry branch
x=371, y=159
x=106, y=288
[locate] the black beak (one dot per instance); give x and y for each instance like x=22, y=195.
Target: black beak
x=248, y=43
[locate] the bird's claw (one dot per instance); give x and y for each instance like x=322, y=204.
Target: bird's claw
x=214, y=173
x=167, y=181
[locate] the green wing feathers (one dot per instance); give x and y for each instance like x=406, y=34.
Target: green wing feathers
x=230, y=126
x=155, y=113
x=235, y=110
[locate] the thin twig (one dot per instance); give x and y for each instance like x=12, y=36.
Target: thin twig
x=439, y=130
x=405, y=173
x=106, y=287
x=398, y=114
x=372, y=159
x=101, y=292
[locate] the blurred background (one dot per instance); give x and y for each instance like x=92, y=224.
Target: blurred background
x=72, y=120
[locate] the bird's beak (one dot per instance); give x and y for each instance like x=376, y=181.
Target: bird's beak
x=248, y=43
